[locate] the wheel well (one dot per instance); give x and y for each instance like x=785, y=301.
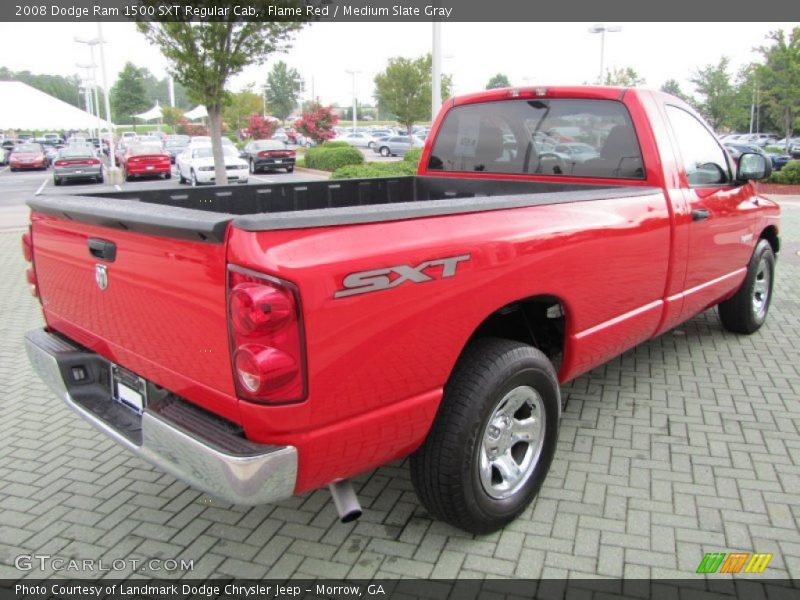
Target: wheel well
x=539, y=321
x=771, y=235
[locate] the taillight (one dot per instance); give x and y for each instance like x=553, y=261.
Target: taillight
x=266, y=331
x=30, y=272
x=61, y=163
x=263, y=154
x=27, y=246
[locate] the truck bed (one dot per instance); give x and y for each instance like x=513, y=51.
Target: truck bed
x=204, y=213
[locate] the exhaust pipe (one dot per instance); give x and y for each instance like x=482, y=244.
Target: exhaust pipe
x=345, y=500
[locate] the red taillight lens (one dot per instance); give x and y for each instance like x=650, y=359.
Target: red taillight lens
x=266, y=332
x=263, y=154
x=30, y=276
x=61, y=163
x=27, y=246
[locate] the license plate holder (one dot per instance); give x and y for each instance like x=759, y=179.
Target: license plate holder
x=128, y=389
x=278, y=161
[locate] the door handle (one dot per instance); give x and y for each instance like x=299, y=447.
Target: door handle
x=102, y=249
x=700, y=214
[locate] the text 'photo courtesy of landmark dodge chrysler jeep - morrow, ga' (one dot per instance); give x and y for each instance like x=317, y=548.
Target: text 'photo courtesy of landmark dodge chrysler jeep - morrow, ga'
x=262, y=341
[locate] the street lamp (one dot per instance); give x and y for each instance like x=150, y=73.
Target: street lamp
x=91, y=105
x=602, y=29
x=355, y=115
x=92, y=43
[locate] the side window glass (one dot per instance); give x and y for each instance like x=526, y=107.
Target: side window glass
x=702, y=157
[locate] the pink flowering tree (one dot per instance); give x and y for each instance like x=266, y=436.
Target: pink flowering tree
x=317, y=122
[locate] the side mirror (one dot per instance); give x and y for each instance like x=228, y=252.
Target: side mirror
x=753, y=166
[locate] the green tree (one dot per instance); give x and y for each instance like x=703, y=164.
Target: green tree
x=404, y=89
x=128, y=95
x=243, y=104
x=284, y=85
x=172, y=116
x=624, y=76
x=498, y=81
x=717, y=93
x=780, y=78
x=204, y=55
x=671, y=86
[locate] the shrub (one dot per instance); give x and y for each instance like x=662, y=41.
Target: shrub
x=387, y=169
x=259, y=128
x=776, y=149
x=330, y=159
x=413, y=156
x=335, y=144
x=788, y=174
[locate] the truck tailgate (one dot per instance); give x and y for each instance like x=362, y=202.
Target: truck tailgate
x=161, y=315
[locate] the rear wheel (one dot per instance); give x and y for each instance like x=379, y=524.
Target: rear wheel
x=181, y=178
x=193, y=178
x=385, y=151
x=252, y=167
x=56, y=181
x=493, y=439
x=168, y=175
x=290, y=169
x=99, y=179
x=747, y=310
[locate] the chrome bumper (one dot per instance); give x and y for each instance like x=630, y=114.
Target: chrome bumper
x=203, y=453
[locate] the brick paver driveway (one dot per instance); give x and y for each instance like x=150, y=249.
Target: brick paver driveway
x=685, y=445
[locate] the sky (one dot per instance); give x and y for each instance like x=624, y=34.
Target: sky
x=528, y=53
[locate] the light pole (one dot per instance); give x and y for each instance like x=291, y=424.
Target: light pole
x=91, y=104
x=602, y=29
x=436, y=70
x=355, y=115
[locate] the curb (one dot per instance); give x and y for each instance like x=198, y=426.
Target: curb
x=322, y=174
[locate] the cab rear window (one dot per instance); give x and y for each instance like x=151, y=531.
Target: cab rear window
x=555, y=137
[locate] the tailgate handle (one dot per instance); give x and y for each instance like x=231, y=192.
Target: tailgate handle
x=103, y=249
x=700, y=214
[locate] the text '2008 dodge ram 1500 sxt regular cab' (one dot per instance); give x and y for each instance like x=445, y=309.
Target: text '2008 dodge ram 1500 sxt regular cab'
x=265, y=341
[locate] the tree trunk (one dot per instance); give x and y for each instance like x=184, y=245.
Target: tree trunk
x=215, y=127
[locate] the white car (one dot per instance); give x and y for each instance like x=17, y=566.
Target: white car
x=196, y=165
x=360, y=140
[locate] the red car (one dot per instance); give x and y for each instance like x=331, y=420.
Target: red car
x=27, y=156
x=266, y=341
x=144, y=160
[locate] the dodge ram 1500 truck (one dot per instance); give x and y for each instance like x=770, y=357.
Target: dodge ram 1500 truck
x=263, y=341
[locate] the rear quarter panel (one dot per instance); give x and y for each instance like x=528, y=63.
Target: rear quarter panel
x=378, y=361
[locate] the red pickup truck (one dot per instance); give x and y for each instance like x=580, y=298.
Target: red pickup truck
x=263, y=341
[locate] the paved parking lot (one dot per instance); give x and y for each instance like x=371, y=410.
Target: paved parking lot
x=685, y=445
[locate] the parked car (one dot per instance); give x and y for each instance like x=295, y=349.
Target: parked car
x=77, y=163
x=396, y=145
x=53, y=138
x=778, y=160
x=3, y=156
x=175, y=146
x=145, y=160
x=196, y=165
x=576, y=151
x=27, y=156
x=288, y=337
x=359, y=140
x=128, y=136
x=268, y=154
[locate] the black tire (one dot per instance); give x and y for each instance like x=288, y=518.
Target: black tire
x=384, y=151
x=746, y=311
x=56, y=181
x=193, y=179
x=289, y=169
x=100, y=179
x=181, y=178
x=446, y=469
x=168, y=175
x=252, y=167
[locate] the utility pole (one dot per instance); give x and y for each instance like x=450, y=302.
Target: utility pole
x=355, y=101
x=602, y=29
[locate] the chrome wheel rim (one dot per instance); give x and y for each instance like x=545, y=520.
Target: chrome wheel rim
x=761, y=289
x=512, y=442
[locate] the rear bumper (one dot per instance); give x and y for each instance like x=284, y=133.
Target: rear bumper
x=190, y=444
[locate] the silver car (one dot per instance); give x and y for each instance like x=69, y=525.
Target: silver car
x=77, y=162
x=396, y=145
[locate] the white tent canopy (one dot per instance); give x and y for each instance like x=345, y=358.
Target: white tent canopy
x=149, y=115
x=198, y=112
x=24, y=108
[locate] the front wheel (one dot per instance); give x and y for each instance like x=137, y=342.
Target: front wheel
x=747, y=310
x=493, y=439
x=385, y=151
x=193, y=178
